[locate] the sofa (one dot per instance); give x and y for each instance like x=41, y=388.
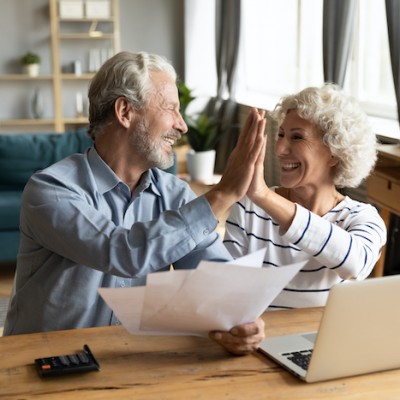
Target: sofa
x=20, y=156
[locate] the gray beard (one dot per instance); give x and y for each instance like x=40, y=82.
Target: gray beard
x=150, y=151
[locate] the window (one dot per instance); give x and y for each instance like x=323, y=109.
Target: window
x=281, y=53
x=369, y=76
x=280, y=49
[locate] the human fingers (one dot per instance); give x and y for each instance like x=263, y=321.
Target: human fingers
x=242, y=339
x=239, y=169
x=234, y=344
x=249, y=126
x=250, y=329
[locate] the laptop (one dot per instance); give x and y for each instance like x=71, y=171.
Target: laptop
x=359, y=333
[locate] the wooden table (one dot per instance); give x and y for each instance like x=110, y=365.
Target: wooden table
x=166, y=367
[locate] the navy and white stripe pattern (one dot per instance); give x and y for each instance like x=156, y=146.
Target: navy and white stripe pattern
x=344, y=244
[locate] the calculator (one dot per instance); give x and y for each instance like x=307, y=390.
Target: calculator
x=83, y=361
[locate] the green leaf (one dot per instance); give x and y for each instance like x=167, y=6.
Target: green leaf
x=203, y=130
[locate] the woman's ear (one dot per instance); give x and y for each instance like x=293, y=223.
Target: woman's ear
x=333, y=160
x=124, y=111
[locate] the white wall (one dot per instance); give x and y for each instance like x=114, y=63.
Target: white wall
x=155, y=26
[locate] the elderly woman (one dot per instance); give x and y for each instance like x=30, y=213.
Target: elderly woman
x=324, y=143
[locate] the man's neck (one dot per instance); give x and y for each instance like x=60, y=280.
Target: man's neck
x=119, y=157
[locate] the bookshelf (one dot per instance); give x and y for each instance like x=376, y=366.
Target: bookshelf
x=73, y=42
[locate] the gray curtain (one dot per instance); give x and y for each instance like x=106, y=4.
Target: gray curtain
x=393, y=23
x=222, y=107
x=338, y=22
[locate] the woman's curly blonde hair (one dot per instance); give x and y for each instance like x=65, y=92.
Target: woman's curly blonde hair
x=344, y=125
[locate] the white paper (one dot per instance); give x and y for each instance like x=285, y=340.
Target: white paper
x=215, y=296
x=254, y=259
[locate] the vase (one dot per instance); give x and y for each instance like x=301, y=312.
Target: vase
x=31, y=69
x=37, y=104
x=201, y=165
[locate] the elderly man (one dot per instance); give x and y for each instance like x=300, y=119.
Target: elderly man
x=109, y=217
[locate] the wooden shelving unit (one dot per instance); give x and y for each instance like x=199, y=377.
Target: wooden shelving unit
x=82, y=34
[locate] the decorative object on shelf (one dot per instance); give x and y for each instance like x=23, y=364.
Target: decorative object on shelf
x=37, y=108
x=98, y=56
x=202, y=137
x=79, y=105
x=93, y=32
x=30, y=62
x=77, y=67
x=94, y=60
x=97, y=9
x=71, y=9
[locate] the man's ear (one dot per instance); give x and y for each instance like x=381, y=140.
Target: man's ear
x=124, y=111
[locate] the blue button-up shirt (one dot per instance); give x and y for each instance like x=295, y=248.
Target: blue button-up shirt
x=82, y=228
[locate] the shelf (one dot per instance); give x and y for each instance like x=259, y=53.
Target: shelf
x=86, y=36
x=25, y=77
x=72, y=77
x=26, y=122
x=76, y=120
x=110, y=19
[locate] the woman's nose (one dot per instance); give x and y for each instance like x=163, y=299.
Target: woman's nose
x=282, y=147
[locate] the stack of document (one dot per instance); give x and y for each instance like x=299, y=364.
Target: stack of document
x=214, y=296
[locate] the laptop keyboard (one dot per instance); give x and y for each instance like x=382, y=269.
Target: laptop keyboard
x=300, y=358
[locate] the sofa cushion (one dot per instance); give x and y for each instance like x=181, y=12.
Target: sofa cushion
x=23, y=154
x=10, y=205
x=9, y=243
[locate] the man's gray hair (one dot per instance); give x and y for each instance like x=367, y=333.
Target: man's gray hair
x=123, y=75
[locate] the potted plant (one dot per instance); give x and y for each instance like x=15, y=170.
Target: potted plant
x=30, y=62
x=202, y=136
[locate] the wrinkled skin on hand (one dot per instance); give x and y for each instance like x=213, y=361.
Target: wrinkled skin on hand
x=242, y=339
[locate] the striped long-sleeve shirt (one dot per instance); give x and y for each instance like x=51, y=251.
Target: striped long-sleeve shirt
x=344, y=244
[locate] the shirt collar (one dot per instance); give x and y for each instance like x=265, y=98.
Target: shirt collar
x=106, y=179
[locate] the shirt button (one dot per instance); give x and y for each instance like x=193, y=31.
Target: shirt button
x=122, y=284
x=206, y=232
x=117, y=323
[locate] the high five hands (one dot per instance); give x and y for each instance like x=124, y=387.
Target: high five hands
x=244, y=164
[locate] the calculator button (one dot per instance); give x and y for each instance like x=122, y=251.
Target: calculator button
x=64, y=360
x=54, y=362
x=83, y=358
x=74, y=359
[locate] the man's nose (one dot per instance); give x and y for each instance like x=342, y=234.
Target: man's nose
x=180, y=124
